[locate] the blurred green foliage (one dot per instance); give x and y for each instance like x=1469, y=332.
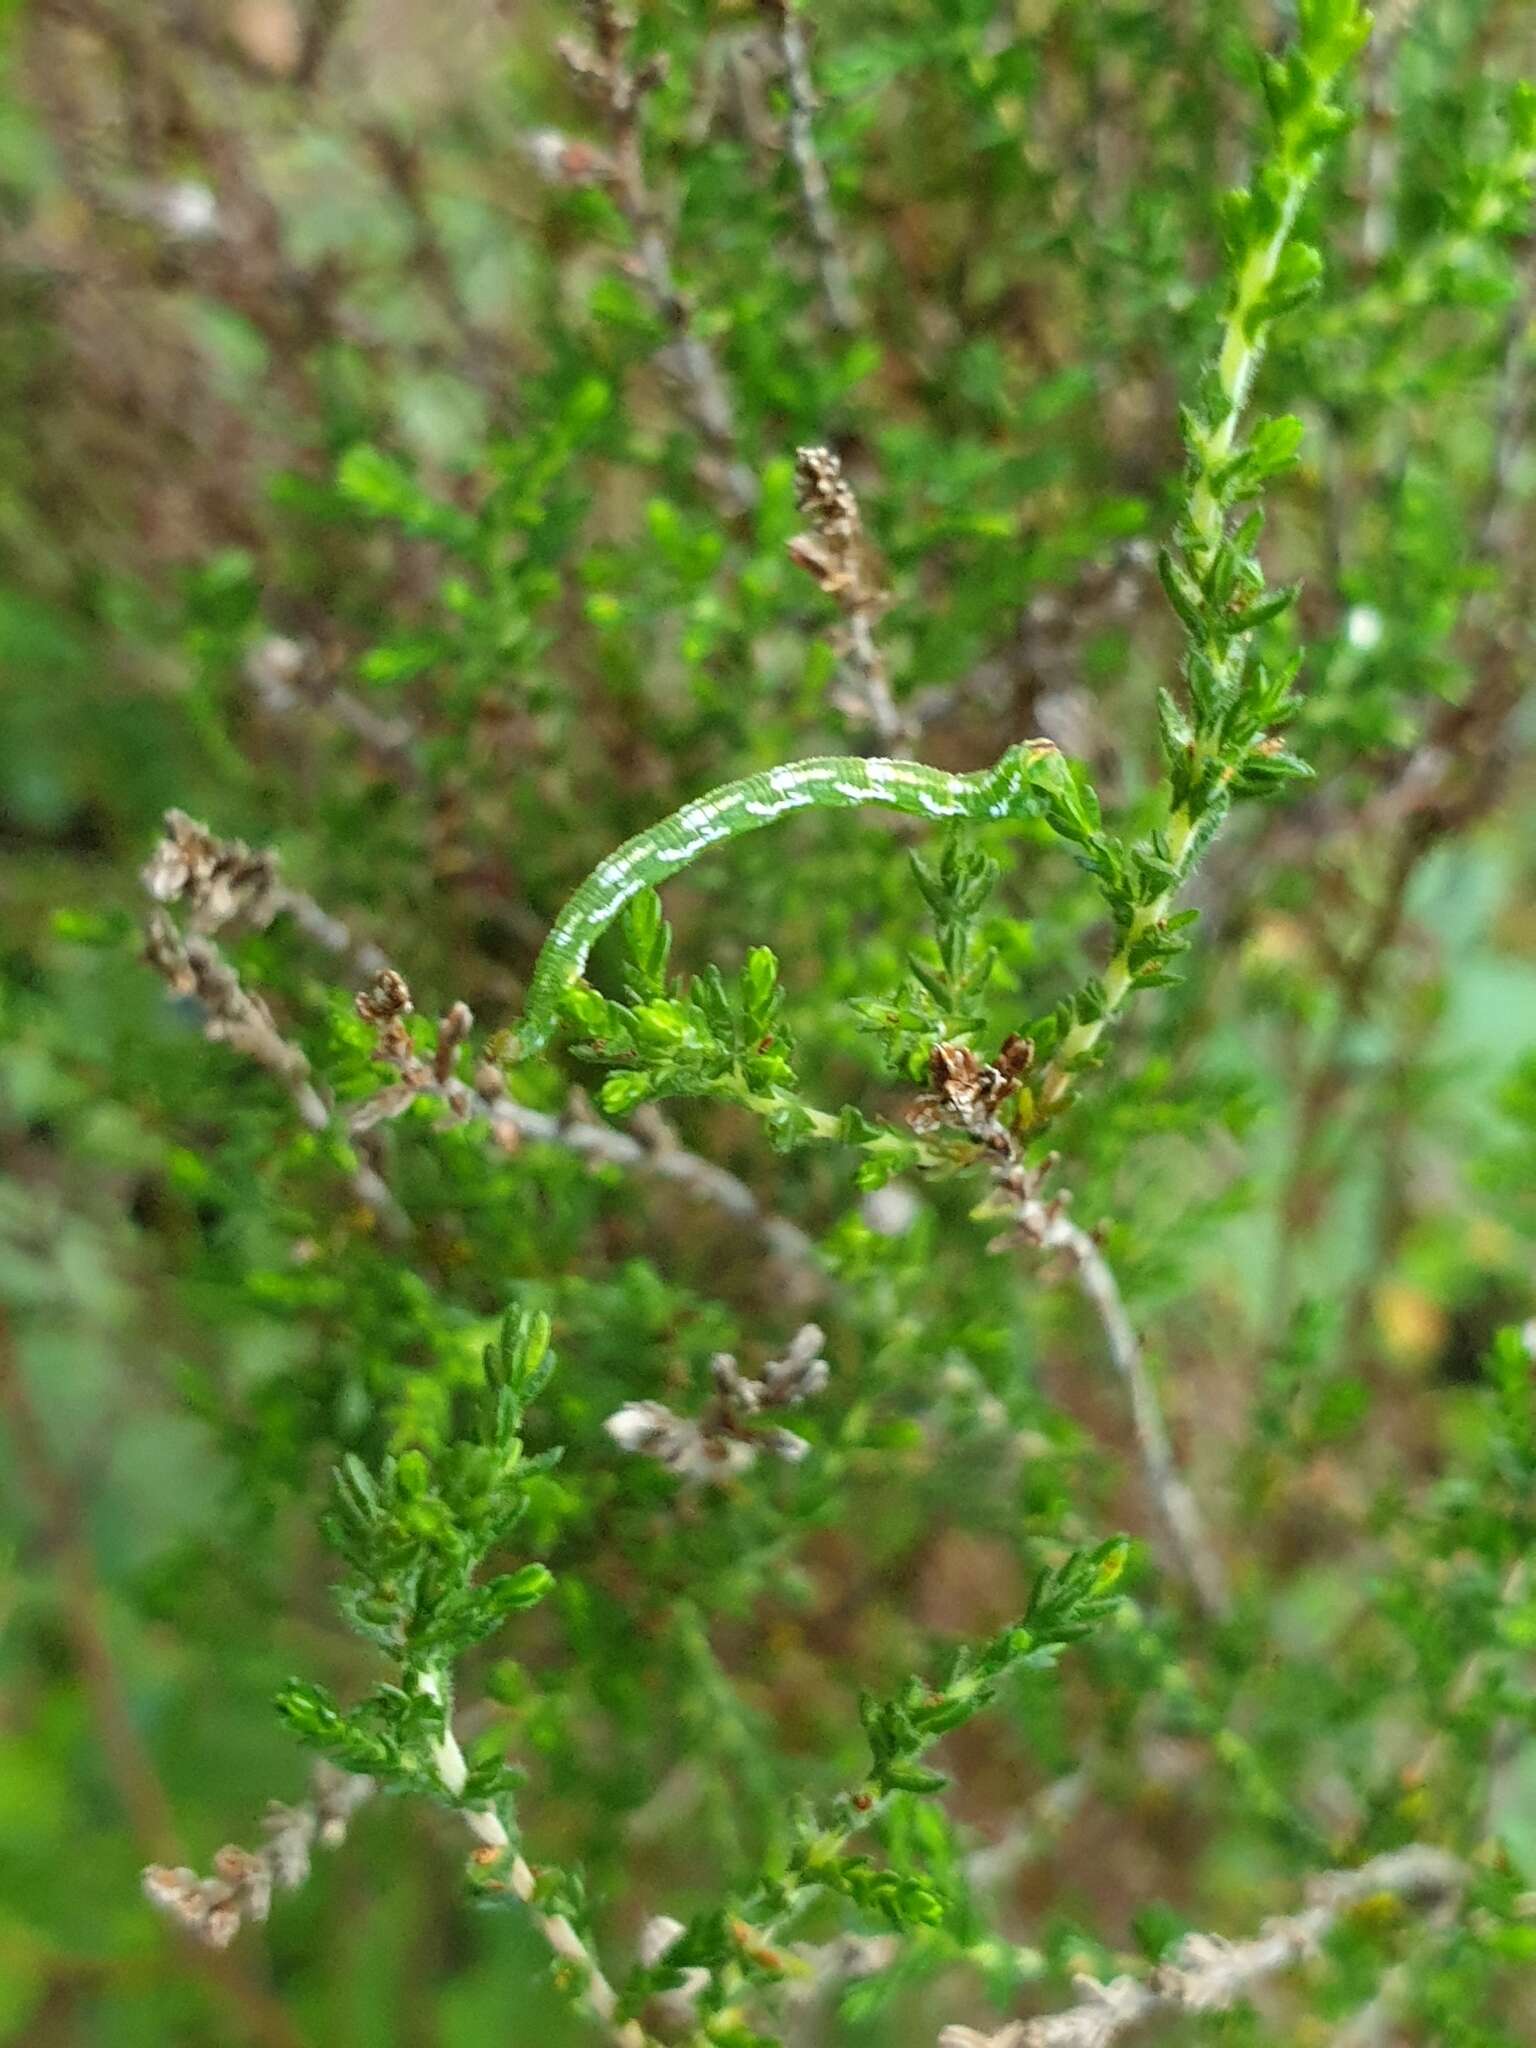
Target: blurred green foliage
x=354, y=498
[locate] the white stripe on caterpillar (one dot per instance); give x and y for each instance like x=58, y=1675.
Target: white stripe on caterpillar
x=1011, y=789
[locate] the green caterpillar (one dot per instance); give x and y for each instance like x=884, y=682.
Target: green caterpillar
x=827, y=782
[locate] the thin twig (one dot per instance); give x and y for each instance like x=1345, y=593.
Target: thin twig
x=326, y=20
x=401, y=165
x=994, y=1864
x=1375, y=2024
x=837, y=287
x=1207, y=1973
x=1044, y=656
x=138, y=1784
x=513, y=1123
x=1047, y=1224
x=970, y=1094
x=1319, y=1093
x=214, y=1909
x=192, y=965
x=1457, y=769
x=604, y=71
x=215, y=883
x=1377, y=222
x=218, y=882
x=838, y=555
x=504, y=1863
x=605, y=1146
x=1466, y=1681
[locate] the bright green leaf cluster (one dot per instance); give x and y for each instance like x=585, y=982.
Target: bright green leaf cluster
x=414, y=1533
x=943, y=998
x=734, y=1944
x=1224, y=745
x=710, y=1038
x=1066, y=1604
x=1223, y=741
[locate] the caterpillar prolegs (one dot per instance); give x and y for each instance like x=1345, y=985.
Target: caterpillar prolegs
x=1009, y=789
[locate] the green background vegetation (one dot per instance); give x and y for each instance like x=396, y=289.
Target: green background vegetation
x=350, y=502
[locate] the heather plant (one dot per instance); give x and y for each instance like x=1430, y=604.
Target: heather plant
x=766, y=1104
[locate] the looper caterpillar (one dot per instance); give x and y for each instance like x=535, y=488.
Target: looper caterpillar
x=826, y=782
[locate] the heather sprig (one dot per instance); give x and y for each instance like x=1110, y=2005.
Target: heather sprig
x=945, y=996
x=492, y=477
x=726, y=1953
x=1222, y=740
x=414, y=1533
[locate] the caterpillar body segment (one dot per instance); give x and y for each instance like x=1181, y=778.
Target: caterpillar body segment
x=826, y=782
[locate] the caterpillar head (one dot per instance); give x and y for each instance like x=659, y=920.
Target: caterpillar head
x=1024, y=767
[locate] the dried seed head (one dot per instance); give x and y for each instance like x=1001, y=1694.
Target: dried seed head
x=726, y=1439
x=388, y=998
x=825, y=495
x=684, y=1447
x=799, y=1375
x=835, y=552
x=968, y=1093
x=452, y=1031
x=290, y=1832
x=1015, y=1056
x=217, y=881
